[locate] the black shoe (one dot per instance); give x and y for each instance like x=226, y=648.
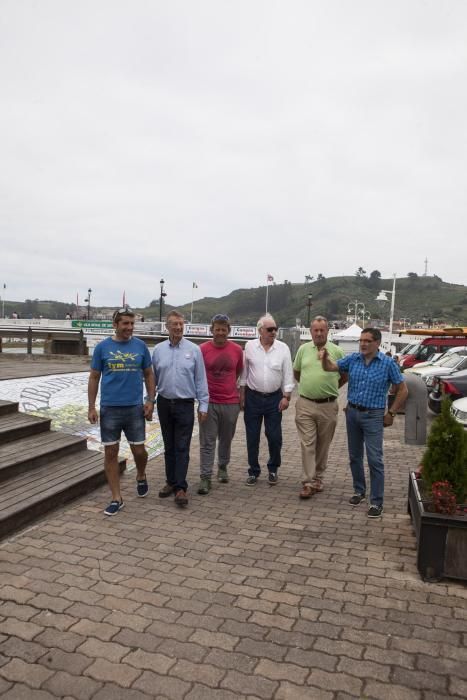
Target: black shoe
x=375, y=511
x=142, y=488
x=356, y=499
x=272, y=478
x=251, y=481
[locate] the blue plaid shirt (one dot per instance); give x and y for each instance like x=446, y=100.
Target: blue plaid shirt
x=369, y=384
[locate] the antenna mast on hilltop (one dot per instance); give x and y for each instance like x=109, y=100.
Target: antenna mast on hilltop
x=426, y=267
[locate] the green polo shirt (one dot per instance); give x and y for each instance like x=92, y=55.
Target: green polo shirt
x=315, y=383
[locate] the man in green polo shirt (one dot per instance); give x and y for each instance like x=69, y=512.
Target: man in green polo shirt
x=317, y=406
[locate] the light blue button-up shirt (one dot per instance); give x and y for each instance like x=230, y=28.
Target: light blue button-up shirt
x=180, y=372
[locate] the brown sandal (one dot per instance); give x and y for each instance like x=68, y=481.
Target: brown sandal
x=307, y=491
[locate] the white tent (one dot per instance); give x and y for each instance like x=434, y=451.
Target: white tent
x=348, y=338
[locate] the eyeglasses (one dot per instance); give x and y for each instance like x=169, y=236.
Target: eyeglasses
x=220, y=317
x=271, y=329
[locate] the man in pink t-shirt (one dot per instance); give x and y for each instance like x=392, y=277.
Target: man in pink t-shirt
x=223, y=360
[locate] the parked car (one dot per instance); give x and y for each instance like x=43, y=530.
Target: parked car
x=429, y=347
x=459, y=411
x=454, y=386
x=444, y=368
x=437, y=361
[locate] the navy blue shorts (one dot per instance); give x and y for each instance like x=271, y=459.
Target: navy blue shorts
x=127, y=419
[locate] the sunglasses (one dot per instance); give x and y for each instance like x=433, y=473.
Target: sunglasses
x=271, y=329
x=124, y=311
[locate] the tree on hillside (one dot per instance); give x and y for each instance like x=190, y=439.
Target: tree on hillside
x=376, y=274
x=360, y=272
x=412, y=276
x=308, y=279
x=320, y=277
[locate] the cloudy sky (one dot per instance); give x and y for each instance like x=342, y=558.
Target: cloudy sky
x=217, y=141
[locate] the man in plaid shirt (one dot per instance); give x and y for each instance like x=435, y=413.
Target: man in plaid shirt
x=370, y=375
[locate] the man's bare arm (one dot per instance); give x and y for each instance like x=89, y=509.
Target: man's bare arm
x=327, y=363
x=93, y=388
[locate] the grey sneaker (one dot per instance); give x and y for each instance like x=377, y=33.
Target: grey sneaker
x=356, y=499
x=272, y=478
x=222, y=475
x=251, y=481
x=204, y=486
x=375, y=511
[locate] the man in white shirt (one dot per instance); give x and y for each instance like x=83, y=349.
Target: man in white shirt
x=265, y=387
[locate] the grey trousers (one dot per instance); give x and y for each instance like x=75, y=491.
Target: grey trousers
x=220, y=425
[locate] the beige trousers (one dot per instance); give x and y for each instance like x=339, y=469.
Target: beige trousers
x=316, y=424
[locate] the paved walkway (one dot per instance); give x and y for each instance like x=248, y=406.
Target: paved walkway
x=249, y=593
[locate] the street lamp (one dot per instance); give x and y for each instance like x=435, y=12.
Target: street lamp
x=88, y=302
x=365, y=316
x=161, y=298
x=357, y=308
x=3, y=301
x=382, y=297
x=309, y=304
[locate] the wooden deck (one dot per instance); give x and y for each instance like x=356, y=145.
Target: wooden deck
x=18, y=366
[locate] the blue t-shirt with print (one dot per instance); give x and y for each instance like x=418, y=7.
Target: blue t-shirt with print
x=121, y=365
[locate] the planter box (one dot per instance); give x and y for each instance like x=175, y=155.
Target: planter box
x=441, y=539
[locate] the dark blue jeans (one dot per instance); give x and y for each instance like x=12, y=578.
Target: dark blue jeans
x=176, y=418
x=365, y=429
x=257, y=407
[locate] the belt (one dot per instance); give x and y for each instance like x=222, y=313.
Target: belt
x=328, y=399
x=176, y=400
x=358, y=407
x=260, y=393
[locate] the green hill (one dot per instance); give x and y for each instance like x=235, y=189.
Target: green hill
x=417, y=298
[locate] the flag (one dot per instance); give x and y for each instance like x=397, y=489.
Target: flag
x=270, y=278
x=123, y=300
x=195, y=286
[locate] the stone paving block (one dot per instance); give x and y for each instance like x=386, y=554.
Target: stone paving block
x=18, y=628
x=95, y=648
x=110, y=691
x=363, y=668
x=21, y=612
x=68, y=641
x=110, y=602
x=312, y=659
x=214, y=639
x=419, y=680
x=244, y=629
x=389, y=691
x=60, y=660
x=62, y=684
x=291, y=691
x=89, y=628
x=18, y=595
x=248, y=684
x=336, y=681
x=157, y=686
x=23, y=692
x=256, y=649
x=202, y=692
x=59, y=621
x=281, y=672
x=204, y=673
x=19, y=671
x=230, y=660
x=183, y=650
x=151, y=661
x=108, y=672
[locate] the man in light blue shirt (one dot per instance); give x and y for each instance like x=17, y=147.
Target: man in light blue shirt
x=180, y=379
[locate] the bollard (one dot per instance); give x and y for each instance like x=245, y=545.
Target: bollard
x=81, y=342
x=29, y=339
x=416, y=408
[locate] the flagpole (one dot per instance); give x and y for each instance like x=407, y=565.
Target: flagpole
x=192, y=297
x=267, y=292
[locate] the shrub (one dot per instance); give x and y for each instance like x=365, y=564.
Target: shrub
x=445, y=458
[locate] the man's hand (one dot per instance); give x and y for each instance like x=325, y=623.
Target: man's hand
x=202, y=416
x=322, y=354
x=284, y=403
x=388, y=420
x=93, y=416
x=148, y=409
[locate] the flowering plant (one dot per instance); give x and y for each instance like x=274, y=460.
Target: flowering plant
x=444, y=498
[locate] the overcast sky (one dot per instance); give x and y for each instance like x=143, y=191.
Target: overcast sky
x=218, y=141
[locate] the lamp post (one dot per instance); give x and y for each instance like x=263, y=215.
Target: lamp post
x=3, y=300
x=356, y=308
x=161, y=298
x=309, y=304
x=405, y=321
x=365, y=316
x=88, y=302
x=382, y=297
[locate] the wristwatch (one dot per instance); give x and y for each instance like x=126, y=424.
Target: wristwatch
x=147, y=399
x=391, y=413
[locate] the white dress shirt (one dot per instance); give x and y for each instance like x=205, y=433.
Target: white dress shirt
x=267, y=370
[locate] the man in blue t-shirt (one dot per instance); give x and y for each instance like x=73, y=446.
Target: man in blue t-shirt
x=370, y=375
x=120, y=364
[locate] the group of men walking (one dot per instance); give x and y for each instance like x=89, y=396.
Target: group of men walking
x=225, y=380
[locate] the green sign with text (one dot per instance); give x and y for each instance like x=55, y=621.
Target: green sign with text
x=91, y=324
